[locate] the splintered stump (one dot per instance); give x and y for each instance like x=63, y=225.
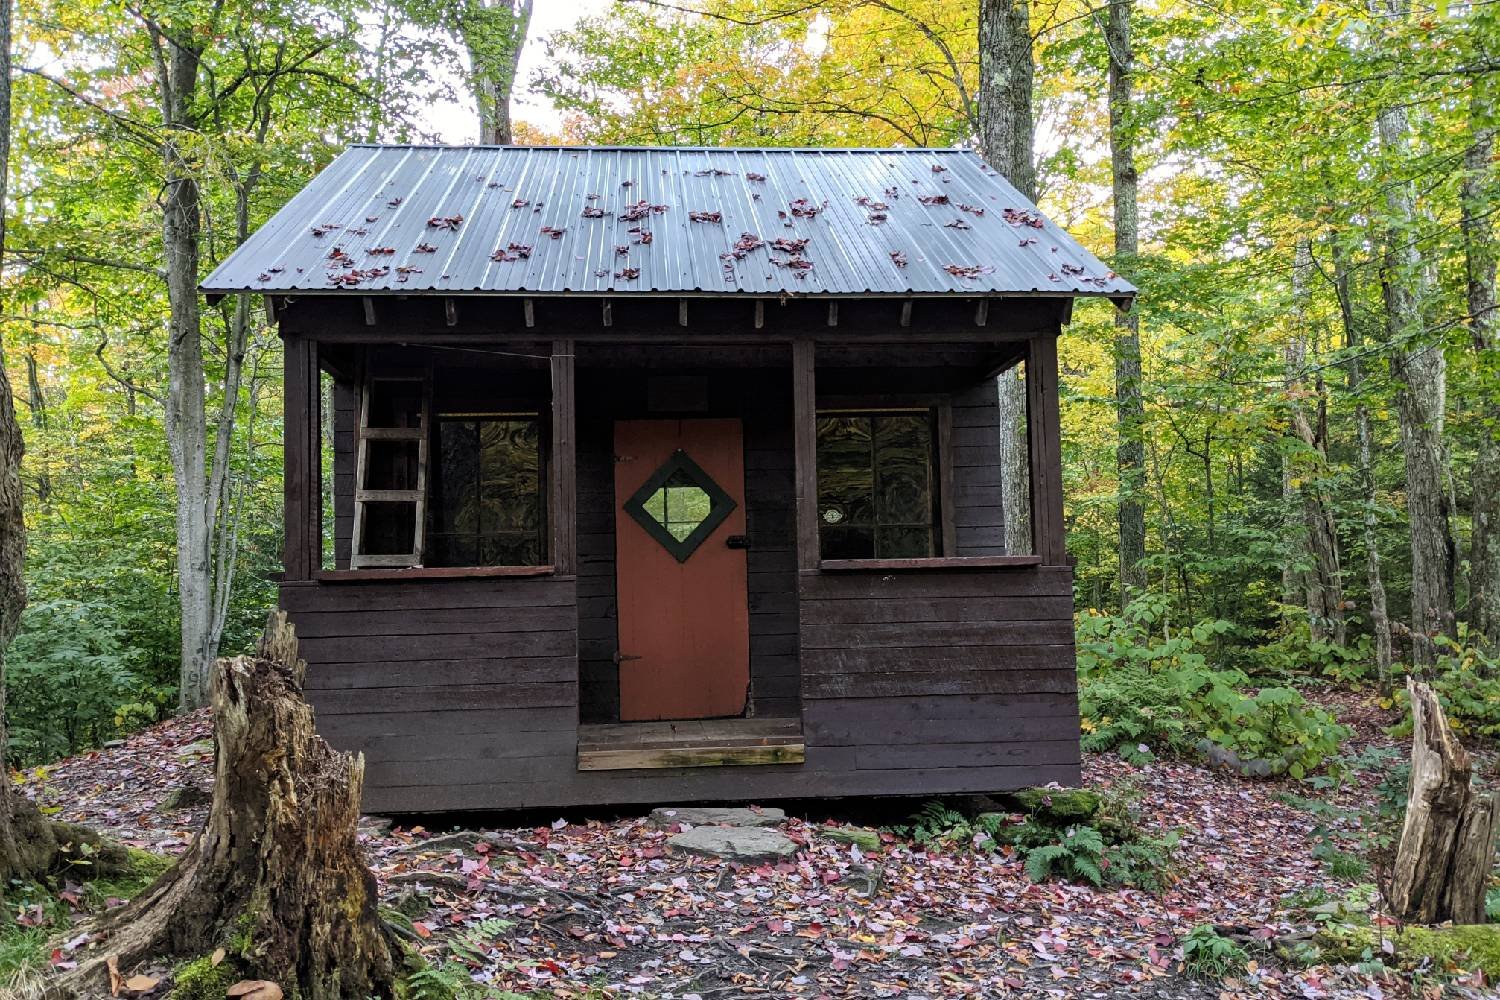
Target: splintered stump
x=275, y=876
x=1447, y=840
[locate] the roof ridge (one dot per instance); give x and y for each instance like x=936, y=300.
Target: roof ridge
x=902, y=150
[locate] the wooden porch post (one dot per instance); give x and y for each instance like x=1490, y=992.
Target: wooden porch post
x=805, y=426
x=301, y=416
x=564, y=485
x=1044, y=445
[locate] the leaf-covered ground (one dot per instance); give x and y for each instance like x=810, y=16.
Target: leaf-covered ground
x=600, y=903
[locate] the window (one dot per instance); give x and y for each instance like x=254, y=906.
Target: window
x=877, y=491
x=488, y=507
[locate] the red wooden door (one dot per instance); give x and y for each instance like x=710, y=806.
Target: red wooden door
x=684, y=618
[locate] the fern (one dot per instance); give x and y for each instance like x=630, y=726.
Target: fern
x=1039, y=861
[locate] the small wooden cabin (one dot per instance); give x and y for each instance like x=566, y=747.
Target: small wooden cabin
x=621, y=475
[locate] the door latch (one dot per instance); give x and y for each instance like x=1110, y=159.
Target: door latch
x=620, y=657
x=738, y=541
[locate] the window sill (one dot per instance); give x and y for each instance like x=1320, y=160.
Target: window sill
x=430, y=573
x=936, y=562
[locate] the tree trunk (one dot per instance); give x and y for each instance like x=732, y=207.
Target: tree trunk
x=1420, y=372
x=275, y=876
x=1380, y=620
x=1478, y=197
x=1130, y=411
x=1323, y=584
x=1006, y=73
x=179, y=53
x=12, y=524
x=1447, y=844
x=493, y=33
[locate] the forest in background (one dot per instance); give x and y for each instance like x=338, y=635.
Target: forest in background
x=1319, y=383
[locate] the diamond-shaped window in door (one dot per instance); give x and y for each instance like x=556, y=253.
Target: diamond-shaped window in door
x=679, y=505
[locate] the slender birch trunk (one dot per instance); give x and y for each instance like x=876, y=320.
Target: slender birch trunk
x=1477, y=196
x=1420, y=371
x=1006, y=72
x=178, y=58
x=1130, y=410
x=1380, y=620
x=1323, y=584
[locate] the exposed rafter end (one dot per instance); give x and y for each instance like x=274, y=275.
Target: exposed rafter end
x=833, y=314
x=982, y=313
x=606, y=312
x=369, y=305
x=906, y=313
x=450, y=312
x=682, y=312
x=270, y=303
x=529, y=309
x=760, y=313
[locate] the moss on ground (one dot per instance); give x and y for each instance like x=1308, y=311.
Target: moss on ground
x=1058, y=806
x=866, y=840
x=201, y=979
x=141, y=868
x=1468, y=947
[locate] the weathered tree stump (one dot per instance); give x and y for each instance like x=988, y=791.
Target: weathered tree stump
x=1447, y=840
x=275, y=876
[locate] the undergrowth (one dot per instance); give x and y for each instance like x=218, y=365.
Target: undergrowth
x=1074, y=835
x=1144, y=690
x=1206, y=954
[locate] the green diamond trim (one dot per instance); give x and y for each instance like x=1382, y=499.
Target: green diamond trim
x=680, y=470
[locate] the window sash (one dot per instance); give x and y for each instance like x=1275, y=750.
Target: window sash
x=870, y=518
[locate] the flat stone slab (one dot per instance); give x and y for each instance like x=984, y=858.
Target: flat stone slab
x=734, y=843
x=716, y=816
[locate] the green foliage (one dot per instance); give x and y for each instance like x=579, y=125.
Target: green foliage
x=1294, y=651
x=1098, y=839
x=1466, y=679
x=23, y=946
x=1141, y=693
x=1077, y=856
x=74, y=681
x=1208, y=955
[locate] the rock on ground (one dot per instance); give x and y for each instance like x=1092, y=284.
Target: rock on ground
x=734, y=843
x=716, y=816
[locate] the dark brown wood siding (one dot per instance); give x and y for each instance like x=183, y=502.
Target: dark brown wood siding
x=444, y=682
x=978, y=515
x=462, y=693
x=969, y=670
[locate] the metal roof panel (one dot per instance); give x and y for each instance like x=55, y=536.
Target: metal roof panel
x=375, y=197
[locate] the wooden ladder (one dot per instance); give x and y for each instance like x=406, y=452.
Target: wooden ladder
x=410, y=425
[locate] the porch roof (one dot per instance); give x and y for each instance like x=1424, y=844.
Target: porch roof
x=535, y=220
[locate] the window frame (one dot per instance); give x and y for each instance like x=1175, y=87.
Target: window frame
x=541, y=416
x=939, y=409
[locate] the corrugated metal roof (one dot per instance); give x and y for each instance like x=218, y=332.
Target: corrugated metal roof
x=875, y=221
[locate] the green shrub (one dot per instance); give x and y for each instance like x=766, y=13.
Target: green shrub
x=1208, y=955
x=1138, y=694
x=73, y=682
x=1294, y=651
x=1467, y=682
x=1112, y=849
